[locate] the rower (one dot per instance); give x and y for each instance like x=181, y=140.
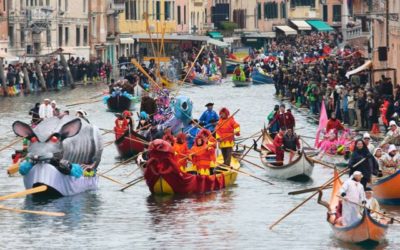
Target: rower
x=367, y=141
x=201, y=156
x=392, y=160
x=181, y=151
x=284, y=118
x=191, y=131
x=334, y=124
x=372, y=203
x=278, y=143
x=34, y=112
x=353, y=191
x=127, y=115
x=227, y=129
x=45, y=109
x=273, y=127
x=291, y=143
x=211, y=142
x=121, y=124
x=209, y=117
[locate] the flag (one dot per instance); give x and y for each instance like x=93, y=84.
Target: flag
x=323, y=120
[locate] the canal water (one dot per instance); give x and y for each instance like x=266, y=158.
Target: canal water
x=237, y=218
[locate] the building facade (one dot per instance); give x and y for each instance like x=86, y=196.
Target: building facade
x=270, y=13
x=3, y=28
x=197, y=18
x=182, y=16
x=40, y=27
x=98, y=28
x=304, y=9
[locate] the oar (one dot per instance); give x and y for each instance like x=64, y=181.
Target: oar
x=303, y=191
x=12, y=143
x=226, y=167
x=121, y=163
x=132, y=184
x=111, y=179
x=32, y=212
x=251, y=163
x=304, y=141
x=363, y=206
x=322, y=163
x=329, y=182
x=35, y=190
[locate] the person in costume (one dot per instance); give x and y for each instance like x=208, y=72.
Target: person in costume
x=353, y=192
x=209, y=117
x=226, y=130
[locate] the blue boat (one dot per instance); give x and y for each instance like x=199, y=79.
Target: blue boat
x=230, y=68
x=203, y=81
x=259, y=78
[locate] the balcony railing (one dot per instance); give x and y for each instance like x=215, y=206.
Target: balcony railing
x=355, y=32
x=119, y=5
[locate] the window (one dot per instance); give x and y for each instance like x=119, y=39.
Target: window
x=66, y=36
x=59, y=4
x=84, y=6
x=47, y=2
x=127, y=10
x=167, y=10
x=184, y=14
x=270, y=10
x=22, y=34
x=337, y=13
x=11, y=36
x=295, y=3
x=132, y=11
x=66, y=5
x=60, y=36
x=283, y=10
x=259, y=11
x=78, y=36
x=325, y=13
x=93, y=27
x=85, y=36
x=179, y=15
x=48, y=38
x=158, y=10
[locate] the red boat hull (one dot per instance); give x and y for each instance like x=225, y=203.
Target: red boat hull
x=130, y=144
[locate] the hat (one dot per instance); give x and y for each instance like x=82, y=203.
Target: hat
x=357, y=173
x=209, y=104
x=368, y=189
x=82, y=112
x=46, y=100
x=53, y=102
x=376, y=150
x=366, y=135
x=391, y=123
x=392, y=148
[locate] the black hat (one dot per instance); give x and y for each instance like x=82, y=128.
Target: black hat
x=209, y=104
x=368, y=189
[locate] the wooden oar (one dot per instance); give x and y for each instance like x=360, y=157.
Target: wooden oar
x=83, y=102
x=12, y=143
x=132, y=184
x=111, y=179
x=121, y=163
x=226, y=167
x=32, y=212
x=35, y=190
x=329, y=182
x=251, y=163
x=308, y=145
x=303, y=191
x=323, y=163
x=363, y=206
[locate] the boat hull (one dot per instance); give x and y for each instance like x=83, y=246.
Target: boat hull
x=203, y=81
x=365, y=230
x=387, y=190
x=241, y=83
x=65, y=185
x=185, y=183
x=130, y=144
x=261, y=79
x=119, y=103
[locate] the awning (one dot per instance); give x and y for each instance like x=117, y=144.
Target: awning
x=217, y=43
x=287, y=30
x=260, y=35
x=365, y=66
x=126, y=40
x=215, y=35
x=301, y=25
x=320, y=25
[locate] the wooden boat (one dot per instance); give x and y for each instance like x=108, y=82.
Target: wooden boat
x=387, y=189
x=204, y=81
x=259, y=78
x=169, y=181
x=239, y=83
x=130, y=143
x=367, y=229
x=300, y=168
x=119, y=103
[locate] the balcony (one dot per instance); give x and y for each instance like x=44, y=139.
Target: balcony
x=355, y=32
x=119, y=5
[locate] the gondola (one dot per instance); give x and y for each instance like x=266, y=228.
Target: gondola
x=119, y=103
x=387, y=189
x=239, y=83
x=167, y=180
x=300, y=168
x=365, y=230
x=259, y=78
x=205, y=80
x=130, y=143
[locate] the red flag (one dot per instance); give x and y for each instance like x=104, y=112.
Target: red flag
x=323, y=121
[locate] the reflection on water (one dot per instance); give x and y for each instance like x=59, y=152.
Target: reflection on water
x=237, y=218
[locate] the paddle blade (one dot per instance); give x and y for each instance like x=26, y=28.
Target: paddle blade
x=57, y=214
x=24, y=193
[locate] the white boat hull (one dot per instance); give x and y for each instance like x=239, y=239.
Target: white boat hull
x=301, y=168
x=66, y=185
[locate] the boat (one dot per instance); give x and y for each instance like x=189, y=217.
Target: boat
x=130, y=143
x=163, y=178
x=365, y=230
x=197, y=80
x=300, y=168
x=259, y=78
x=336, y=160
x=230, y=68
x=119, y=103
x=387, y=189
